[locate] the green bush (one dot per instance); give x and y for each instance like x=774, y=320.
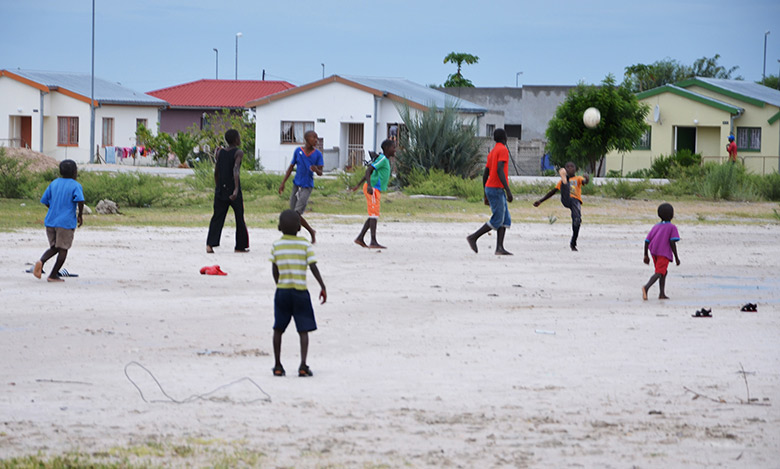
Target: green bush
x=727, y=182
x=131, y=190
x=16, y=181
x=437, y=182
x=769, y=186
x=623, y=189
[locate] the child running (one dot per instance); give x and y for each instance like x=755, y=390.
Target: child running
x=662, y=244
x=374, y=185
x=306, y=161
x=571, y=197
x=290, y=255
x=63, y=196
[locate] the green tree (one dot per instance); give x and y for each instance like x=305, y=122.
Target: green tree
x=643, y=77
x=771, y=81
x=436, y=139
x=456, y=79
x=212, y=135
x=622, y=124
x=183, y=144
x=160, y=144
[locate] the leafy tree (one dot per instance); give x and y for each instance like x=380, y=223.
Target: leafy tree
x=643, y=77
x=770, y=81
x=456, y=79
x=160, y=144
x=622, y=124
x=436, y=139
x=212, y=135
x=183, y=144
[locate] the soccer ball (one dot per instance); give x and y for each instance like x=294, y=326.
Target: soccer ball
x=591, y=117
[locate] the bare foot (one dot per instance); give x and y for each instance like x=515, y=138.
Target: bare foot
x=663, y=297
x=376, y=246
x=644, y=293
x=472, y=243
x=54, y=279
x=38, y=269
x=503, y=252
x=562, y=173
x=361, y=243
x=209, y=249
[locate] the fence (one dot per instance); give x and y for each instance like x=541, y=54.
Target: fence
x=755, y=164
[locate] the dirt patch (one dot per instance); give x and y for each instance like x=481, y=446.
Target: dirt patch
x=37, y=162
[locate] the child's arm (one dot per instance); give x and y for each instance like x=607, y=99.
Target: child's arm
x=673, y=245
x=485, y=176
x=366, y=177
x=287, y=175
x=546, y=196
x=323, y=292
x=237, y=174
x=275, y=272
x=647, y=246
x=587, y=179
x=81, y=210
x=502, y=178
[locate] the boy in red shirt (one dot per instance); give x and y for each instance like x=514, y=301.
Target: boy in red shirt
x=731, y=148
x=571, y=197
x=495, y=180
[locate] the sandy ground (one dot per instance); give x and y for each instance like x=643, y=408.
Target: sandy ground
x=427, y=354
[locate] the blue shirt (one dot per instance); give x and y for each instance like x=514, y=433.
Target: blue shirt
x=304, y=176
x=62, y=197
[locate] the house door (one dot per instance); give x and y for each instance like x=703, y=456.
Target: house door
x=355, y=151
x=685, y=139
x=26, y=124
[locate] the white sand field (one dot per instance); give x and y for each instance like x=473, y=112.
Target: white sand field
x=427, y=354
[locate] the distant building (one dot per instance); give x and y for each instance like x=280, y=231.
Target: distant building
x=50, y=112
x=699, y=114
x=350, y=115
x=191, y=103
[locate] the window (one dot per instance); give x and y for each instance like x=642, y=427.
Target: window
x=68, y=131
x=489, y=129
x=108, y=132
x=749, y=138
x=644, y=141
x=292, y=132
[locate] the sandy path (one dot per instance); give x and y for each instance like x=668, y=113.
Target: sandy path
x=427, y=354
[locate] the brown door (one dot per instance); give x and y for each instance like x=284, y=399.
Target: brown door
x=26, y=122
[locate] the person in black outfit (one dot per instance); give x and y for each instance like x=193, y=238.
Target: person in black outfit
x=228, y=194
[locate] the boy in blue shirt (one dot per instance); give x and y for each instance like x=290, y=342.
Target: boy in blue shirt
x=306, y=161
x=62, y=197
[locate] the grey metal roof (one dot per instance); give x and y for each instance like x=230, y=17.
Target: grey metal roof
x=106, y=92
x=746, y=88
x=416, y=93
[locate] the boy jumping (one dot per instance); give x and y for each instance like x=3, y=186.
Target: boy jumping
x=62, y=197
x=662, y=244
x=571, y=197
x=290, y=255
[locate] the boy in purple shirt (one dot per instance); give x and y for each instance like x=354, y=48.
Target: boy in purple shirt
x=662, y=244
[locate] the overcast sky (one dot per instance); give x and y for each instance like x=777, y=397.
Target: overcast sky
x=152, y=44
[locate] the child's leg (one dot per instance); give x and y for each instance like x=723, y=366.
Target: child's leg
x=372, y=222
x=565, y=193
x=662, y=288
x=304, y=347
x=576, y=221
x=649, y=284
x=242, y=234
x=473, y=237
x=277, y=348
x=216, y=224
x=359, y=240
x=308, y=228
x=48, y=254
x=500, y=233
x=54, y=275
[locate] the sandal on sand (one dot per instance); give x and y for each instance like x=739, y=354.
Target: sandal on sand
x=750, y=308
x=278, y=370
x=703, y=313
x=304, y=371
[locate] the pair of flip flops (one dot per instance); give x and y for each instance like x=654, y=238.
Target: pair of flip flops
x=703, y=313
x=62, y=273
x=212, y=270
x=750, y=308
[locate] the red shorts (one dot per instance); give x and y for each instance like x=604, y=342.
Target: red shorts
x=373, y=201
x=661, y=264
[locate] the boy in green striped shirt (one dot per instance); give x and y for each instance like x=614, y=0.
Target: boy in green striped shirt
x=290, y=256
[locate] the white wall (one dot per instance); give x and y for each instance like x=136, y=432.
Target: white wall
x=13, y=97
x=124, y=127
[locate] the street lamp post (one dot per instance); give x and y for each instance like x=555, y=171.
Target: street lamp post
x=517, y=79
x=216, y=63
x=763, y=75
x=323, y=70
x=238, y=35
x=92, y=93
x=778, y=74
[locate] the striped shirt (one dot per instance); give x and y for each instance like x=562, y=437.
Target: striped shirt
x=292, y=254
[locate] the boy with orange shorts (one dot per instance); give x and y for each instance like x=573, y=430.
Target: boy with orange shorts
x=662, y=244
x=374, y=185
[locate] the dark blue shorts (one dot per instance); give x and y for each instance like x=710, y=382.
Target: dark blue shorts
x=290, y=303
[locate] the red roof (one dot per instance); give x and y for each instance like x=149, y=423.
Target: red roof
x=219, y=93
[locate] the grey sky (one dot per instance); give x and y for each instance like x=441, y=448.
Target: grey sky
x=151, y=44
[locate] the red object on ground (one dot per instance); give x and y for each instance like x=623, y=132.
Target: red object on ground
x=212, y=270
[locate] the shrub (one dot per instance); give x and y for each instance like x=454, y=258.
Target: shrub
x=769, y=186
x=16, y=181
x=437, y=182
x=623, y=189
x=728, y=182
x=132, y=190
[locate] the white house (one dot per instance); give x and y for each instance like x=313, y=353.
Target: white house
x=50, y=112
x=350, y=115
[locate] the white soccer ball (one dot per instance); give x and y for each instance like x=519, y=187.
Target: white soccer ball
x=591, y=117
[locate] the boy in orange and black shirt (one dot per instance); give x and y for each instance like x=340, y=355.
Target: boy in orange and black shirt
x=571, y=197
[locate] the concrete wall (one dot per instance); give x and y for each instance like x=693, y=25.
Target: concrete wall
x=525, y=157
x=176, y=120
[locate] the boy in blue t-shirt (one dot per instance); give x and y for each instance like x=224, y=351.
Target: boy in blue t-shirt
x=306, y=161
x=62, y=197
